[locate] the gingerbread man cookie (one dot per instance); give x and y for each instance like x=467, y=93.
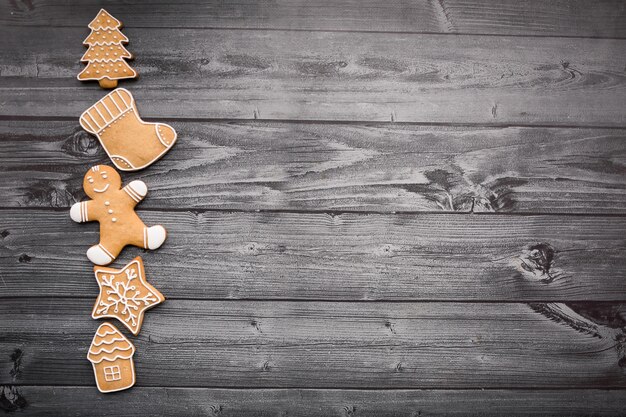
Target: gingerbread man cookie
x=131, y=143
x=114, y=208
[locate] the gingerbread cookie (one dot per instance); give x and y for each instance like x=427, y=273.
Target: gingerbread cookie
x=125, y=294
x=111, y=355
x=106, y=55
x=114, y=208
x=131, y=143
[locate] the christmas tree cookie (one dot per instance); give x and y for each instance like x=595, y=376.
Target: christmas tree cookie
x=106, y=54
x=114, y=208
x=131, y=143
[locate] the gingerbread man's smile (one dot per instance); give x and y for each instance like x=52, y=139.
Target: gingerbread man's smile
x=102, y=189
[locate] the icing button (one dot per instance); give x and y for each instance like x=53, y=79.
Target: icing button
x=113, y=219
x=106, y=203
x=110, y=211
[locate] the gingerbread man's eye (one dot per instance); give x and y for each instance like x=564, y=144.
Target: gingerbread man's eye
x=90, y=180
x=104, y=175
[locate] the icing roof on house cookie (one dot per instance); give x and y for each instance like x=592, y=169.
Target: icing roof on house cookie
x=109, y=344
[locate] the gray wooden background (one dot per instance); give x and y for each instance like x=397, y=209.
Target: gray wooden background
x=375, y=207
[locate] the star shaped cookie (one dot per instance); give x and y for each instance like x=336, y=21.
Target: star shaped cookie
x=125, y=294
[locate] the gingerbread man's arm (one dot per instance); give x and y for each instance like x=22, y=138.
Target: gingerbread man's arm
x=137, y=190
x=80, y=211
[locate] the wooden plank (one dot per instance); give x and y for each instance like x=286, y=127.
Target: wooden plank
x=251, y=74
x=348, y=167
x=313, y=256
x=509, y=17
x=149, y=401
x=322, y=345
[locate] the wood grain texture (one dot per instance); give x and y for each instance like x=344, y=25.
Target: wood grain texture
x=347, y=167
x=149, y=402
x=195, y=73
x=308, y=256
x=322, y=345
x=332, y=299
x=510, y=17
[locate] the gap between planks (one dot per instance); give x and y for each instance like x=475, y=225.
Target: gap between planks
x=380, y=32
x=357, y=122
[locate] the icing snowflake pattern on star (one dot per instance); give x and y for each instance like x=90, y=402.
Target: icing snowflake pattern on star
x=125, y=294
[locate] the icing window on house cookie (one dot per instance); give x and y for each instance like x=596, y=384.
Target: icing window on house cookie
x=112, y=373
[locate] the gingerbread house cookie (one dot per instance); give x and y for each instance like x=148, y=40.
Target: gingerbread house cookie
x=111, y=355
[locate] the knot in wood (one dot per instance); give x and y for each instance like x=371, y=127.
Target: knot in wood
x=537, y=260
x=252, y=248
x=349, y=410
x=11, y=399
x=386, y=250
x=82, y=144
x=24, y=259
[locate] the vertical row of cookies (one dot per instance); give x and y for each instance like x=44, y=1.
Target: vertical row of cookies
x=131, y=144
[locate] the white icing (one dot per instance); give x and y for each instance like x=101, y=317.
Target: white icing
x=98, y=255
x=102, y=189
x=75, y=213
x=156, y=236
x=125, y=295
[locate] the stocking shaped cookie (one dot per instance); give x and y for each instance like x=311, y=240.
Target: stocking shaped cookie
x=131, y=143
x=114, y=208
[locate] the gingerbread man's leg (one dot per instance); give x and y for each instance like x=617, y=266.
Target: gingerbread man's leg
x=149, y=237
x=115, y=235
x=105, y=252
x=134, y=232
x=145, y=237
